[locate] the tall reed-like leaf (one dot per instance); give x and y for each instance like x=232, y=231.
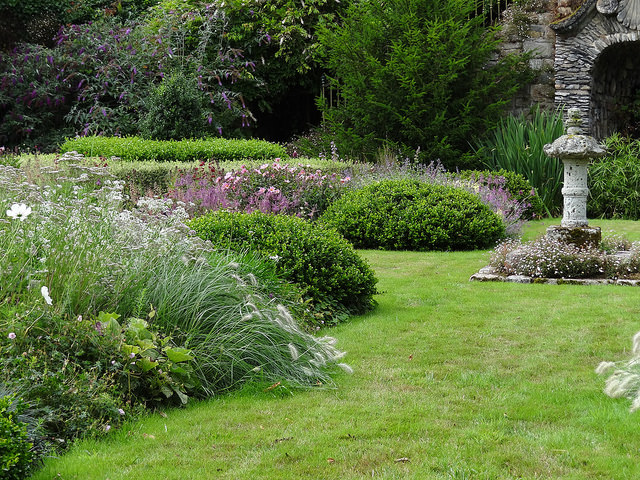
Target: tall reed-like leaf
x=614, y=180
x=517, y=145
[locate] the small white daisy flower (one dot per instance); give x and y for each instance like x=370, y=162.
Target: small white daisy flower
x=19, y=211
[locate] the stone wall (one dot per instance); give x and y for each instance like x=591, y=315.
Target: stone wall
x=596, y=67
x=532, y=34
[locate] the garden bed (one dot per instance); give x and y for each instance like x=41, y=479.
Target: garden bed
x=491, y=274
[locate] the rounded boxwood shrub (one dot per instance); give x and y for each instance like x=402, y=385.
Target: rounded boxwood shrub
x=15, y=447
x=413, y=215
x=327, y=268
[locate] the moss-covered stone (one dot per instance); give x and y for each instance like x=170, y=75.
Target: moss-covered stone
x=582, y=237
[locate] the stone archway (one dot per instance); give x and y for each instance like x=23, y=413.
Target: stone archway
x=597, y=64
x=615, y=86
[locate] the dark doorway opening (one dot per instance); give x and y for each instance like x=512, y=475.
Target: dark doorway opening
x=615, y=91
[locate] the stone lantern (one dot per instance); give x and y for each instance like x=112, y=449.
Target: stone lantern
x=576, y=151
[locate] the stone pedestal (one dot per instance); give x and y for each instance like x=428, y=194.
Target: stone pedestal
x=575, y=192
x=582, y=237
x=575, y=150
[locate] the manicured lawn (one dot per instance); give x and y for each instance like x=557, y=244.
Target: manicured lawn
x=452, y=380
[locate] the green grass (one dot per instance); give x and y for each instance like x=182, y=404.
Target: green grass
x=465, y=380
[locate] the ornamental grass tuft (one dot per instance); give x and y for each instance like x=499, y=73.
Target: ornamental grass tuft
x=105, y=310
x=623, y=379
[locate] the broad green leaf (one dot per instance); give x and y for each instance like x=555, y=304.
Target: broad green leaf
x=166, y=391
x=145, y=364
x=183, y=398
x=129, y=349
x=145, y=344
x=138, y=328
x=178, y=354
x=111, y=327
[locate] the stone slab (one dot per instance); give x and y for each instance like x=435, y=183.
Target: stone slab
x=493, y=277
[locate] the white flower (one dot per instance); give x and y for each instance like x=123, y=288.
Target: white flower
x=12, y=335
x=45, y=294
x=19, y=210
x=121, y=411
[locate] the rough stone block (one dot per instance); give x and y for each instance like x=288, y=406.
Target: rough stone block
x=488, y=270
x=541, y=49
x=579, y=236
x=478, y=277
x=518, y=279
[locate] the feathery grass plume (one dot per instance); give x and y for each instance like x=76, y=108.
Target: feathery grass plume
x=625, y=379
x=204, y=308
x=229, y=309
x=346, y=368
x=621, y=383
x=295, y=355
x=636, y=344
x=604, y=367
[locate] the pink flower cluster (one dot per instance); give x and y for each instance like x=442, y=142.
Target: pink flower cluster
x=270, y=188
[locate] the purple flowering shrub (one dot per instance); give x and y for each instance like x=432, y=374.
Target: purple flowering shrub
x=99, y=76
x=273, y=187
x=32, y=93
x=492, y=191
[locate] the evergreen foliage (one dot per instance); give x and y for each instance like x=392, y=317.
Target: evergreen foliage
x=136, y=148
x=175, y=110
x=418, y=74
x=15, y=447
x=330, y=272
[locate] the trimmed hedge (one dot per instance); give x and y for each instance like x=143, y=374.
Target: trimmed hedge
x=142, y=177
x=412, y=215
x=136, y=148
x=329, y=271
